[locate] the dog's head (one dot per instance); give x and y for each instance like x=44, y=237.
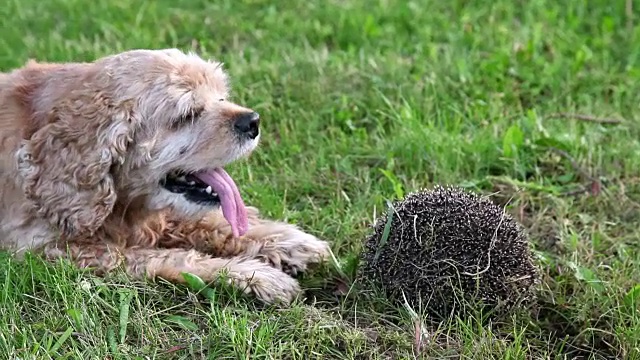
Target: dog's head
x=148, y=126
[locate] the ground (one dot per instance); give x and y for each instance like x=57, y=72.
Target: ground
x=363, y=102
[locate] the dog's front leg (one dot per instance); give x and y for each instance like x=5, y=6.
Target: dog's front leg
x=282, y=245
x=250, y=275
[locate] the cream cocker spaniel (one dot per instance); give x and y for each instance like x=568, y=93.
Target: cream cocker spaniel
x=119, y=163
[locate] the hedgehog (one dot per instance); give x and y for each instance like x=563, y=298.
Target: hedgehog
x=444, y=249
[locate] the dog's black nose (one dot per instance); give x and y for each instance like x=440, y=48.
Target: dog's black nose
x=248, y=124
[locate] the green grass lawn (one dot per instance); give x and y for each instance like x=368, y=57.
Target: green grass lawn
x=363, y=101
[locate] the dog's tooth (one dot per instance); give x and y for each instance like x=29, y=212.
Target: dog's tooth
x=208, y=190
x=182, y=178
x=191, y=183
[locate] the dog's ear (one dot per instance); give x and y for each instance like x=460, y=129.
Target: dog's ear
x=66, y=159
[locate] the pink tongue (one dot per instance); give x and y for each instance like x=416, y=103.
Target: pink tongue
x=233, y=207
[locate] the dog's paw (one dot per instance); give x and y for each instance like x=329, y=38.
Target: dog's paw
x=267, y=283
x=292, y=250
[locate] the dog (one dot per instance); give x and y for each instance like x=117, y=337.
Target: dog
x=118, y=163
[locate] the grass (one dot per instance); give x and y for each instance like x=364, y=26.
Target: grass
x=362, y=102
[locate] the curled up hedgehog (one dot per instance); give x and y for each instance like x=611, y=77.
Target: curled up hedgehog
x=443, y=249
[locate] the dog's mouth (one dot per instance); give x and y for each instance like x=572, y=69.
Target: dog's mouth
x=194, y=189
x=211, y=187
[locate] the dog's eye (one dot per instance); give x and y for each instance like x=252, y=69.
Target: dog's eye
x=186, y=119
x=220, y=99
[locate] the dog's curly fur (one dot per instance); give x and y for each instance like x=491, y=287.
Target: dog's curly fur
x=83, y=147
